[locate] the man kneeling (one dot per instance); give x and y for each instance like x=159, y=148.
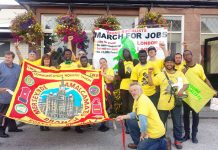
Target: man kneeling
x=146, y=129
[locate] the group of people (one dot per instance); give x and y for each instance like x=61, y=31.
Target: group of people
x=153, y=80
x=146, y=92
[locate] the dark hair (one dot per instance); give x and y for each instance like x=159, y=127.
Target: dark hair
x=142, y=51
x=103, y=59
x=130, y=56
x=83, y=57
x=169, y=58
x=10, y=53
x=187, y=51
x=178, y=54
x=44, y=57
x=152, y=48
x=59, y=50
x=67, y=50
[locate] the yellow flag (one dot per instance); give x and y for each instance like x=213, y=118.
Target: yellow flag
x=199, y=93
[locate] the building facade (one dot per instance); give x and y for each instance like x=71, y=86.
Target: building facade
x=193, y=22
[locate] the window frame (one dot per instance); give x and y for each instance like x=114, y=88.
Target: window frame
x=178, y=32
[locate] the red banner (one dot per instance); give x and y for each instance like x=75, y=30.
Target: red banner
x=52, y=97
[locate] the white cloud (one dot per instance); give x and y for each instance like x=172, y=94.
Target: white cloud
x=8, y=2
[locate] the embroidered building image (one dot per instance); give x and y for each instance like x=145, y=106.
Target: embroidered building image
x=59, y=105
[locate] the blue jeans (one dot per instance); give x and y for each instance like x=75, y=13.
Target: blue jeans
x=148, y=144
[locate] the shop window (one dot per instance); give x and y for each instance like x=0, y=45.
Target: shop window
x=209, y=32
x=4, y=46
x=175, y=33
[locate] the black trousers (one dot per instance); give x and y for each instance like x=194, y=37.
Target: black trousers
x=195, y=120
x=127, y=101
x=4, y=121
x=176, y=114
x=155, y=98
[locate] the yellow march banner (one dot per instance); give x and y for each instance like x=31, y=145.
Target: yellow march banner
x=52, y=97
x=199, y=93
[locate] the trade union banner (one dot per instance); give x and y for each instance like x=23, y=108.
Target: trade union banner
x=51, y=97
x=199, y=93
x=110, y=44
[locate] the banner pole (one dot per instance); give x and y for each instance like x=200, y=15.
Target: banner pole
x=170, y=37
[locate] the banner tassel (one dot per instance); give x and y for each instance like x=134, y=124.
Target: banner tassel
x=114, y=124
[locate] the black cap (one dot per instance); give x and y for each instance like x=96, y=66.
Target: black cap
x=169, y=58
x=151, y=48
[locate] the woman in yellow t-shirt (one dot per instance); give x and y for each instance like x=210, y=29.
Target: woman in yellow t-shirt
x=45, y=62
x=125, y=67
x=108, y=75
x=32, y=56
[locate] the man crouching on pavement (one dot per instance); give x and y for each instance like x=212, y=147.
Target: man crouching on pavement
x=146, y=128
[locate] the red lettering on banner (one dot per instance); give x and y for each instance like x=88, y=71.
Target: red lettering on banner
x=147, y=42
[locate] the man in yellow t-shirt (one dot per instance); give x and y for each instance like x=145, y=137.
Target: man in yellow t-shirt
x=179, y=64
x=199, y=71
x=156, y=62
x=67, y=64
x=172, y=85
x=148, y=132
x=84, y=63
x=140, y=74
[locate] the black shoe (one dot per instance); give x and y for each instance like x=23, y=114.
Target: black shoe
x=4, y=135
x=103, y=128
x=127, y=132
x=16, y=130
x=185, y=138
x=65, y=129
x=20, y=124
x=43, y=128
x=78, y=129
x=47, y=129
x=89, y=126
x=194, y=140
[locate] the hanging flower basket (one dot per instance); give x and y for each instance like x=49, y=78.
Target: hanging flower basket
x=107, y=23
x=69, y=25
x=152, y=19
x=25, y=28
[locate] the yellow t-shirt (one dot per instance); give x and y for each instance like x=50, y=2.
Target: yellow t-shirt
x=165, y=103
x=88, y=67
x=144, y=106
x=79, y=64
x=198, y=70
x=36, y=62
x=180, y=67
x=140, y=74
x=158, y=64
x=109, y=72
x=124, y=85
x=65, y=66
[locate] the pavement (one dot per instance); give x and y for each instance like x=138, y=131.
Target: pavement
x=55, y=139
